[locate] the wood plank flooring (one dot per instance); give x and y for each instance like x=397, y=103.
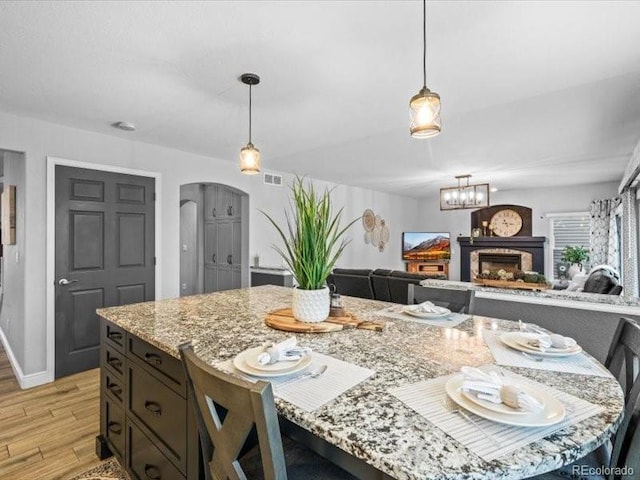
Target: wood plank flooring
x=48, y=432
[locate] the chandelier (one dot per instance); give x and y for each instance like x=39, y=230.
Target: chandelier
x=464, y=196
x=424, y=107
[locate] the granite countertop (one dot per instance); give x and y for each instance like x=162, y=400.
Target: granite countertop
x=617, y=300
x=367, y=421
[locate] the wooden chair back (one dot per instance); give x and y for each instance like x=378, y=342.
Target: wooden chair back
x=458, y=301
x=623, y=361
x=246, y=405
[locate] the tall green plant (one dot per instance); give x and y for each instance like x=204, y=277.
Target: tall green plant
x=314, y=241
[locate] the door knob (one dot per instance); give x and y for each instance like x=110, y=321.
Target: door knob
x=64, y=281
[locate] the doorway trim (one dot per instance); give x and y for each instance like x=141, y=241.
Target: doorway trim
x=52, y=162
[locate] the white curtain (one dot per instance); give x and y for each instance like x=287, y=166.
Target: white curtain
x=605, y=234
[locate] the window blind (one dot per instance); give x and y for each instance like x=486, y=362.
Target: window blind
x=569, y=230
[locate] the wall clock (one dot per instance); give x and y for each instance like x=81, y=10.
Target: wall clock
x=506, y=222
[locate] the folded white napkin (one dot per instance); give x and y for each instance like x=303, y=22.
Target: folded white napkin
x=544, y=342
x=426, y=307
x=285, y=351
x=494, y=388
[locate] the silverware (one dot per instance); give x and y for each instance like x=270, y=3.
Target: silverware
x=315, y=373
x=453, y=407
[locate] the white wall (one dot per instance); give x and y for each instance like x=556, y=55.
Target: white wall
x=40, y=139
x=13, y=283
x=541, y=200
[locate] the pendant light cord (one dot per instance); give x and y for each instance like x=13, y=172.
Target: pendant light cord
x=249, y=113
x=424, y=42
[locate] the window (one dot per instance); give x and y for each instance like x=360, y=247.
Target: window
x=567, y=229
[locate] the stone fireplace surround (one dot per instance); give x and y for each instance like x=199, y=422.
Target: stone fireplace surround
x=530, y=249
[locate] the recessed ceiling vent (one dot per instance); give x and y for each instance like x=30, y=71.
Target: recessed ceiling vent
x=273, y=179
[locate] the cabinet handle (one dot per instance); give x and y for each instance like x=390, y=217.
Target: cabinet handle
x=213, y=212
x=229, y=210
x=229, y=259
x=114, y=427
x=213, y=257
x=153, y=358
x=114, y=335
x=115, y=389
x=151, y=472
x=115, y=363
x=153, y=407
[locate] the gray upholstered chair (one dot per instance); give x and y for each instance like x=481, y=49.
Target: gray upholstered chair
x=459, y=301
x=624, y=354
x=228, y=411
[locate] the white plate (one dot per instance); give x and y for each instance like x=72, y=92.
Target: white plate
x=516, y=341
x=501, y=407
x=414, y=312
x=246, y=362
x=554, y=411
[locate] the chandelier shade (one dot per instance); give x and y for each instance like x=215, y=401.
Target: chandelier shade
x=425, y=114
x=464, y=196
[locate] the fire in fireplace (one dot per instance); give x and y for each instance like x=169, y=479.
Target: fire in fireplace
x=496, y=261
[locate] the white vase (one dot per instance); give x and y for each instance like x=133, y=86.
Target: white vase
x=311, y=306
x=575, y=269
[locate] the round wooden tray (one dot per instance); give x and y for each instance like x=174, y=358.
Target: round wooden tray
x=283, y=320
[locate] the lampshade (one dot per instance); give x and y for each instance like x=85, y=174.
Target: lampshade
x=425, y=114
x=249, y=159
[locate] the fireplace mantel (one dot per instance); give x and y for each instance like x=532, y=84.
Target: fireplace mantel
x=533, y=245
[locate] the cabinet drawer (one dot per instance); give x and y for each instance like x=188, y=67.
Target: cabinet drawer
x=113, y=335
x=161, y=362
x=113, y=386
x=145, y=460
x=161, y=410
x=114, y=360
x=113, y=417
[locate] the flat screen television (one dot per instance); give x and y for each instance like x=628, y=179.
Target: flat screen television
x=421, y=246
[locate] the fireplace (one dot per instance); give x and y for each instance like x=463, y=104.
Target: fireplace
x=507, y=253
x=508, y=262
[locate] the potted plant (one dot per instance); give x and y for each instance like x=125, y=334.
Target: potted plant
x=313, y=243
x=575, y=256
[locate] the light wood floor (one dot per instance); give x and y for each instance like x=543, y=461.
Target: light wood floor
x=48, y=432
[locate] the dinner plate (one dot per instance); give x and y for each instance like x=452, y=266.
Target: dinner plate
x=414, y=312
x=501, y=407
x=516, y=341
x=553, y=412
x=247, y=363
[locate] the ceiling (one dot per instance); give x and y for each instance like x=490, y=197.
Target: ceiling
x=533, y=93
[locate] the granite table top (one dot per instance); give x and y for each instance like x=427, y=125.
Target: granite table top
x=367, y=421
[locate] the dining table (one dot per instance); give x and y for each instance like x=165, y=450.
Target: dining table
x=379, y=426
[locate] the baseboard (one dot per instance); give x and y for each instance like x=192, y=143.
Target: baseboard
x=25, y=381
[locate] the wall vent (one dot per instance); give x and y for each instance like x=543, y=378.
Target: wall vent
x=273, y=179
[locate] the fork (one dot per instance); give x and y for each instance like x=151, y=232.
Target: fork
x=315, y=373
x=453, y=407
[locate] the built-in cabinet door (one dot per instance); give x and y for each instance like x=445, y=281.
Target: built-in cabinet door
x=225, y=278
x=235, y=277
x=211, y=208
x=235, y=242
x=224, y=202
x=224, y=247
x=236, y=208
x=210, y=238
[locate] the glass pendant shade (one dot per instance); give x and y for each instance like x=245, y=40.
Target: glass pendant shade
x=425, y=114
x=249, y=159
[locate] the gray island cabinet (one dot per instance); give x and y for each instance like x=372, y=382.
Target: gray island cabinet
x=145, y=420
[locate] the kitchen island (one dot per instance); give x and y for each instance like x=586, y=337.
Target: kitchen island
x=367, y=429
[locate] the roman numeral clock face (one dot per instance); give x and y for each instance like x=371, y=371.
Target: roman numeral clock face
x=506, y=223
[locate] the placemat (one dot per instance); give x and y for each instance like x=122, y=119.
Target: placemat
x=451, y=320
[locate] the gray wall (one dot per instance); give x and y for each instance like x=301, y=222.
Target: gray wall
x=13, y=265
x=592, y=330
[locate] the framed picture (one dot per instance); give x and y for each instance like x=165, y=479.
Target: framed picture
x=8, y=217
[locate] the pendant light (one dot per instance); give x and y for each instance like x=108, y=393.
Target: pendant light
x=424, y=107
x=250, y=155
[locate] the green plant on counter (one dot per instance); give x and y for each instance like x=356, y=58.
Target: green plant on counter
x=575, y=255
x=314, y=242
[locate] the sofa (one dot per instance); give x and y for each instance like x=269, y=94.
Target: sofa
x=379, y=284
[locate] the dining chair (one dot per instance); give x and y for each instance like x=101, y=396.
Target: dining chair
x=622, y=361
x=458, y=301
x=228, y=410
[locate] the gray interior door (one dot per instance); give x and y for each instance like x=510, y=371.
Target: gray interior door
x=105, y=256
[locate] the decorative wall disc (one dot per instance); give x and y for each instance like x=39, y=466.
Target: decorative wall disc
x=376, y=230
x=368, y=220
